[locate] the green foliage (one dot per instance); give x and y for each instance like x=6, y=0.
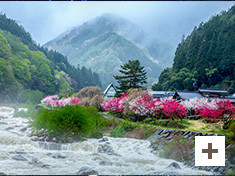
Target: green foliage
x=30, y=96
x=167, y=123
x=26, y=65
x=133, y=76
x=74, y=121
x=207, y=55
x=63, y=85
x=231, y=132
x=17, y=30
x=8, y=84
x=122, y=129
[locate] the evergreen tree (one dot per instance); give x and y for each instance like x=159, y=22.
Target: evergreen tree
x=133, y=76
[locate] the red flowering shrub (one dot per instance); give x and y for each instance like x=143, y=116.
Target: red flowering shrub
x=115, y=104
x=174, y=110
x=209, y=113
x=143, y=105
x=74, y=101
x=227, y=109
x=140, y=103
x=219, y=110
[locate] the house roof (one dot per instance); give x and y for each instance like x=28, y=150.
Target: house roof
x=162, y=92
x=217, y=91
x=231, y=99
x=107, y=89
x=188, y=95
x=159, y=94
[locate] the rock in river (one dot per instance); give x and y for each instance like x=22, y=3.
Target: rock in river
x=174, y=165
x=19, y=158
x=87, y=171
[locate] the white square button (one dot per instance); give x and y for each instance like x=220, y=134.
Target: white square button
x=209, y=150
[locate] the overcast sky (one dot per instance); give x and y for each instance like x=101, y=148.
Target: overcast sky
x=46, y=20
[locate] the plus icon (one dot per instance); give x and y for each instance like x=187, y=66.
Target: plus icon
x=209, y=150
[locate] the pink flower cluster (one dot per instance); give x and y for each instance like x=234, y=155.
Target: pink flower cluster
x=174, y=110
x=216, y=110
x=144, y=105
x=115, y=104
x=54, y=101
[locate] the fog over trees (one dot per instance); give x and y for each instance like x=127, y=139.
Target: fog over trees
x=163, y=20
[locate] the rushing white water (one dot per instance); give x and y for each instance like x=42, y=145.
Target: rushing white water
x=125, y=156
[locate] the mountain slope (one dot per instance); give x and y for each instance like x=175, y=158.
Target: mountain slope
x=27, y=66
x=207, y=54
x=101, y=45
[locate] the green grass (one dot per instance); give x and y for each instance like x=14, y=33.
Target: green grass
x=127, y=128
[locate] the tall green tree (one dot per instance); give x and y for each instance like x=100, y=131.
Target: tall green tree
x=133, y=75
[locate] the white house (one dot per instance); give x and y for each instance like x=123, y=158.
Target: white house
x=109, y=92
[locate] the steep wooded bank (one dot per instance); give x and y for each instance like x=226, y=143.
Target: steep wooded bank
x=207, y=54
x=27, y=69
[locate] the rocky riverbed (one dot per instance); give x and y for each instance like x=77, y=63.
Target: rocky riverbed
x=23, y=154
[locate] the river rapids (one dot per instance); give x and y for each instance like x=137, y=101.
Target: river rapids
x=19, y=155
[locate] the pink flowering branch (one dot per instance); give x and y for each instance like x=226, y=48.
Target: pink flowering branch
x=54, y=101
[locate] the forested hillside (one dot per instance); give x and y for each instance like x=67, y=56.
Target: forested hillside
x=103, y=45
x=27, y=69
x=207, y=55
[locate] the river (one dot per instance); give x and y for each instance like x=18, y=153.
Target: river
x=19, y=155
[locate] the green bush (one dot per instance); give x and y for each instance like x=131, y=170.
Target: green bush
x=121, y=130
x=70, y=121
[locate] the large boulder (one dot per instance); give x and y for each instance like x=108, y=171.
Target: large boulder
x=106, y=148
x=85, y=170
x=174, y=165
x=19, y=158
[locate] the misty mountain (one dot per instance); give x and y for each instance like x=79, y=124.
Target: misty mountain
x=207, y=54
x=105, y=43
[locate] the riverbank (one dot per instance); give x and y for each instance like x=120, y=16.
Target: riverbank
x=176, y=144
x=163, y=140
x=117, y=156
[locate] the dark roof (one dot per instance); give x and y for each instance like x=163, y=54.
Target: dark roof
x=217, y=91
x=159, y=94
x=107, y=89
x=188, y=95
x=231, y=99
